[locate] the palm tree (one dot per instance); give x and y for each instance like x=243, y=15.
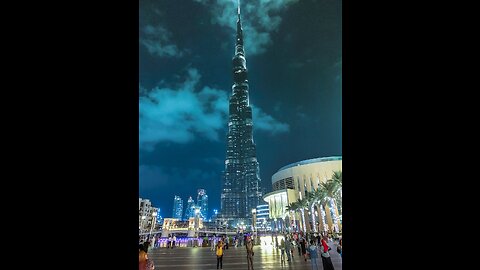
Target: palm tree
x=331, y=189
x=302, y=204
x=311, y=201
x=337, y=179
x=320, y=199
x=293, y=207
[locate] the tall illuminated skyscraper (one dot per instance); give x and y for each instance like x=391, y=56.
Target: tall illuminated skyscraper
x=177, y=207
x=190, y=210
x=202, y=202
x=241, y=191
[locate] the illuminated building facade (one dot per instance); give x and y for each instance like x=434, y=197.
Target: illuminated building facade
x=241, y=191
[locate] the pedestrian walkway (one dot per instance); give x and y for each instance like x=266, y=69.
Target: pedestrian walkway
x=266, y=257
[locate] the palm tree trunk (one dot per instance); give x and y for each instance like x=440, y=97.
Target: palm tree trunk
x=294, y=220
x=303, y=220
x=321, y=220
x=335, y=212
x=323, y=213
x=314, y=224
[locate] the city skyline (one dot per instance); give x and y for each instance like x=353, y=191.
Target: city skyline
x=294, y=54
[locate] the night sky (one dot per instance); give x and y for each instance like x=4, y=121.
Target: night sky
x=294, y=59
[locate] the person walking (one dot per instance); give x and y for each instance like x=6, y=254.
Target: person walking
x=282, y=251
x=219, y=254
x=174, y=240
x=249, y=247
x=326, y=260
x=169, y=244
x=312, y=249
x=303, y=245
x=287, y=248
x=297, y=243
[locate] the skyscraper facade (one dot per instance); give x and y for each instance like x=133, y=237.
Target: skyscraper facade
x=241, y=191
x=202, y=202
x=177, y=207
x=190, y=211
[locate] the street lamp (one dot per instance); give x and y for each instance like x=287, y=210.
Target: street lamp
x=154, y=220
x=254, y=225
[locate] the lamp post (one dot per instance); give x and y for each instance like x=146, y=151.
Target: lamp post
x=154, y=220
x=254, y=225
x=216, y=224
x=197, y=221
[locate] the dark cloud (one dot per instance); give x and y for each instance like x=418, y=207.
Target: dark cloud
x=183, y=114
x=261, y=19
x=157, y=40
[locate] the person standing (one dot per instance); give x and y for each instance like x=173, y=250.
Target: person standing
x=152, y=244
x=282, y=250
x=287, y=248
x=219, y=253
x=214, y=243
x=297, y=243
x=174, y=240
x=339, y=247
x=313, y=254
x=169, y=244
x=143, y=262
x=326, y=260
x=304, y=248
x=249, y=247
x=147, y=245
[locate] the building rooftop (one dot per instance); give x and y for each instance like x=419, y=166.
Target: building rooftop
x=309, y=161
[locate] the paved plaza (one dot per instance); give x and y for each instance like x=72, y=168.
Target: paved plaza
x=266, y=257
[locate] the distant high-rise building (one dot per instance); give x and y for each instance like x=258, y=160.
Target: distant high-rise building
x=202, y=202
x=263, y=221
x=147, y=215
x=177, y=207
x=190, y=210
x=241, y=191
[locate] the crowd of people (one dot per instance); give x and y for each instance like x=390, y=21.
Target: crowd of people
x=309, y=247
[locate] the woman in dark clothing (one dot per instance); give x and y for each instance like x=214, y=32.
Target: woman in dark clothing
x=326, y=260
x=304, y=250
x=297, y=242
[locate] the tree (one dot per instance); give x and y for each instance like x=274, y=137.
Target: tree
x=331, y=189
x=311, y=201
x=293, y=207
x=337, y=179
x=320, y=200
x=302, y=204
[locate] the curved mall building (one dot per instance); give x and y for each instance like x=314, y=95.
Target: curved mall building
x=290, y=183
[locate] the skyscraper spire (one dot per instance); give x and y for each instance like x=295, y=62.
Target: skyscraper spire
x=241, y=191
x=239, y=41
